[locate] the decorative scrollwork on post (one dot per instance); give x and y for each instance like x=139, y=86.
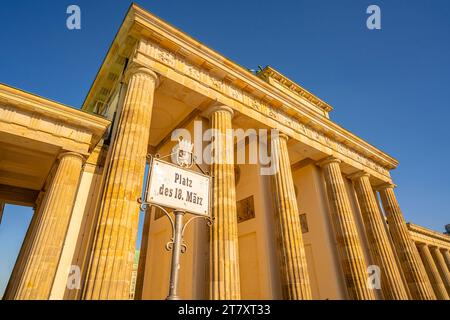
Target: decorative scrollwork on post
x=184, y=159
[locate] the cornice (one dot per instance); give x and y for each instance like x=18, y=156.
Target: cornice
x=428, y=232
x=96, y=125
x=269, y=72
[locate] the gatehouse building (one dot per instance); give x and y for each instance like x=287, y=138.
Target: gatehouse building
x=325, y=225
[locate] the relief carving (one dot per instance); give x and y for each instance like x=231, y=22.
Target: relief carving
x=245, y=209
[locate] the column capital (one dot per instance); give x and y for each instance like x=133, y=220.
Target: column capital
x=135, y=68
x=384, y=186
x=421, y=244
x=65, y=154
x=281, y=135
x=217, y=108
x=357, y=175
x=271, y=133
x=328, y=160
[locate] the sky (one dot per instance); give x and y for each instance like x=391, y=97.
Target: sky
x=388, y=86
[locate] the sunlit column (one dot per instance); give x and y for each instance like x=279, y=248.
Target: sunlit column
x=378, y=240
x=410, y=262
x=295, y=279
x=224, y=254
x=111, y=264
x=433, y=273
x=446, y=254
x=442, y=267
x=45, y=239
x=347, y=239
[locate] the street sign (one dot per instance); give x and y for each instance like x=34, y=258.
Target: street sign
x=184, y=191
x=177, y=188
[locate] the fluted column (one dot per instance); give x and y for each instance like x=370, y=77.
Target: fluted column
x=381, y=251
x=433, y=273
x=442, y=267
x=295, y=282
x=446, y=254
x=48, y=231
x=224, y=254
x=347, y=239
x=410, y=262
x=110, y=269
x=17, y=271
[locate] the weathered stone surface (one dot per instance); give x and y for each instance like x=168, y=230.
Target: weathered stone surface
x=347, y=239
x=37, y=264
x=433, y=273
x=410, y=262
x=295, y=279
x=224, y=254
x=109, y=273
x=446, y=255
x=441, y=266
x=379, y=245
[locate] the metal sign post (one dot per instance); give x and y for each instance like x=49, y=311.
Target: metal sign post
x=184, y=191
x=176, y=251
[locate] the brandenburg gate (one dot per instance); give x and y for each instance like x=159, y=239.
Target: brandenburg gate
x=326, y=224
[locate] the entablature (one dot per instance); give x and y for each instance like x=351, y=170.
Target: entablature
x=430, y=237
x=146, y=39
x=30, y=116
x=282, y=82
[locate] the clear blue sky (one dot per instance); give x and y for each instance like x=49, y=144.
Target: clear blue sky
x=389, y=86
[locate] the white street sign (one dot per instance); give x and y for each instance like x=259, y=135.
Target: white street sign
x=178, y=188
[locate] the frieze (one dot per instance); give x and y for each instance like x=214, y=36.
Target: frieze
x=162, y=55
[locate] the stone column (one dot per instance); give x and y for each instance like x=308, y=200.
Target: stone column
x=433, y=273
x=446, y=254
x=410, y=262
x=111, y=263
x=380, y=248
x=442, y=267
x=224, y=250
x=17, y=272
x=347, y=239
x=295, y=279
x=48, y=231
